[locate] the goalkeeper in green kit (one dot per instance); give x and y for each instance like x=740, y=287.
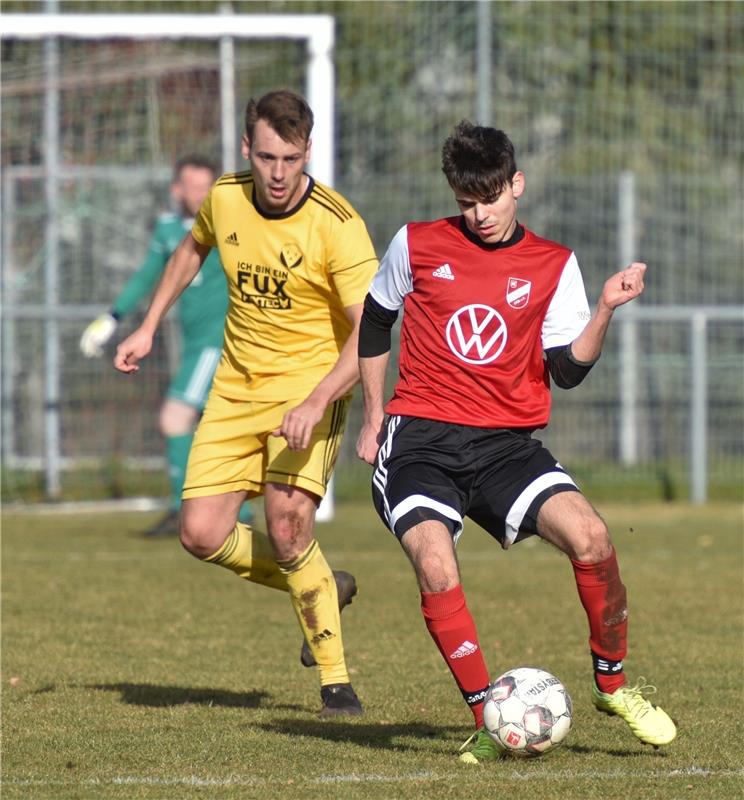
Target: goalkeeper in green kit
x=201, y=319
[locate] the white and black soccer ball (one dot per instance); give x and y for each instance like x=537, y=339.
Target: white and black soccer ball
x=527, y=711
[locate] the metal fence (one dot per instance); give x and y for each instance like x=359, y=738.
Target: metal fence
x=628, y=123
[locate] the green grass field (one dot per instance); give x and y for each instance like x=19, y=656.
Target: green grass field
x=131, y=670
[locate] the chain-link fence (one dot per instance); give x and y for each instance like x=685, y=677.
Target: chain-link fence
x=591, y=93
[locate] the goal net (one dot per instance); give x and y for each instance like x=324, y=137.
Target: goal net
x=93, y=121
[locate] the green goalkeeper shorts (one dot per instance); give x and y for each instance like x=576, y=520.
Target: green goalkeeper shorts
x=193, y=380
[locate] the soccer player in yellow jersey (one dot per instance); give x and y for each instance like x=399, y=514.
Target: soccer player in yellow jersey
x=298, y=261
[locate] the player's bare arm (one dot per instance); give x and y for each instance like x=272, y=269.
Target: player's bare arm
x=621, y=288
x=177, y=275
x=372, y=374
x=299, y=422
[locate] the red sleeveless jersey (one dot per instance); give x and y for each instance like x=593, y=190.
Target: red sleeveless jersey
x=476, y=321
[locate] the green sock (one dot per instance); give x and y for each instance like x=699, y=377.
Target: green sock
x=177, y=451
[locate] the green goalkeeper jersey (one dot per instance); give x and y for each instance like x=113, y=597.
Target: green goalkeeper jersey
x=202, y=306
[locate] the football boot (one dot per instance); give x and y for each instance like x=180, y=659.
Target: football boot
x=480, y=747
x=339, y=700
x=649, y=723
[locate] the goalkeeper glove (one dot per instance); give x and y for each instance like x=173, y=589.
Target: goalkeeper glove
x=97, y=334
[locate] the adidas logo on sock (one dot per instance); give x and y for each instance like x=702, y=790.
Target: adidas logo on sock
x=465, y=649
x=231, y=239
x=445, y=271
x=607, y=667
x=323, y=636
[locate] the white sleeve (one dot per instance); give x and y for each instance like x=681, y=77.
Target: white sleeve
x=393, y=280
x=568, y=312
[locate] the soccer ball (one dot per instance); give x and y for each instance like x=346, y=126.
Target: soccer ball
x=527, y=711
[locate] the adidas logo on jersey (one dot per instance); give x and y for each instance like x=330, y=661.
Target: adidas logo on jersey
x=465, y=649
x=231, y=239
x=445, y=271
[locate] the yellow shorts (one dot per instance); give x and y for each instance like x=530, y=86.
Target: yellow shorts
x=233, y=449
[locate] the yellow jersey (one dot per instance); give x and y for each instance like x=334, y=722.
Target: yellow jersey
x=290, y=276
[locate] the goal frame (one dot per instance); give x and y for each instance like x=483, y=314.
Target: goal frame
x=317, y=31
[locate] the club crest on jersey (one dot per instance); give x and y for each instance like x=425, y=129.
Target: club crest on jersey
x=518, y=292
x=476, y=334
x=291, y=256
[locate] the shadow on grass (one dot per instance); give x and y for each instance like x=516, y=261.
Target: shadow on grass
x=413, y=736
x=614, y=752
x=147, y=694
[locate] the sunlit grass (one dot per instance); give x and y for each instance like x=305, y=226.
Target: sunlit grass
x=131, y=670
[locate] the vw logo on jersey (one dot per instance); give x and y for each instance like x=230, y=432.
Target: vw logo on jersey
x=476, y=334
x=518, y=292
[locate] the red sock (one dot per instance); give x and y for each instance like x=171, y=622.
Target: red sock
x=453, y=630
x=603, y=596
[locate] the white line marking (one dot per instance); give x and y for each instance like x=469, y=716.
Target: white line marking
x=513, y=775
x=88, y=506
x=416, y=776
x=92, y=557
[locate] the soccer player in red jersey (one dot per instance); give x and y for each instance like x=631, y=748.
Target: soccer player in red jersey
x=492, y=312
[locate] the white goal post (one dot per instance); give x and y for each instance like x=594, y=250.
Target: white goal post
x=317, y=31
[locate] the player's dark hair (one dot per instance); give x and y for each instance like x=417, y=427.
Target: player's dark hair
x=478, y=161
x=287, y=113
x=193, y=160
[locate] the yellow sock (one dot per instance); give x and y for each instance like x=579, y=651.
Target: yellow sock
x=248, y=554
x=312, y=589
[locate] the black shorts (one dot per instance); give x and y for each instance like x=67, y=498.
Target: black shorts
x=436, y=470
